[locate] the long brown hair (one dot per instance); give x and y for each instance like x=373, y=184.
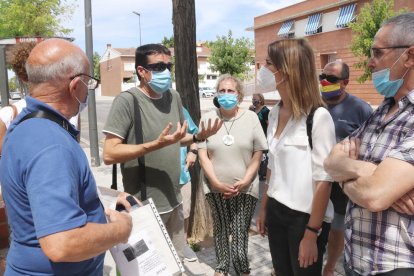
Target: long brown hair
x=295, y=59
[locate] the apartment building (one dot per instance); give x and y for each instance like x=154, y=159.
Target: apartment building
x=324, y=23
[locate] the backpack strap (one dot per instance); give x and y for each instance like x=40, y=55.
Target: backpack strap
x=52, y=117
x=139, y=140
x=309, y=126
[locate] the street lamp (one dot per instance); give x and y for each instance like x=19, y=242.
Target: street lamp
x=139, y=25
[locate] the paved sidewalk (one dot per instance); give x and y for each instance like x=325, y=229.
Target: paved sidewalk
x=259, y=255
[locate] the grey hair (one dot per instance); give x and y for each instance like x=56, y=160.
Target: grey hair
x=403, y=29
x=239, y=85
x=64, y=68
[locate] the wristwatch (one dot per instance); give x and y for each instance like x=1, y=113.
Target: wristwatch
x=314, y=230
x=195, y=151
x=195, y=140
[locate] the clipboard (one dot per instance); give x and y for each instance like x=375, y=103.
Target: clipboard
x=149, y=250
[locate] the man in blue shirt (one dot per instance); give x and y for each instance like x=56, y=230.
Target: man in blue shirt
x=57, y=220
x=348, y=113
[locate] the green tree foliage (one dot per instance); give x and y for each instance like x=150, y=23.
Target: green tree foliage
x=368, y=22
x=34, y=17
x=13, y=84
x=96, y=65
x=168, y=42
x=232, y=56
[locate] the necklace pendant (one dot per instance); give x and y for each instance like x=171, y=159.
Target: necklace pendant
x=228, y=140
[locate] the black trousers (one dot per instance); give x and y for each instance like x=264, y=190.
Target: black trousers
x=286, y=228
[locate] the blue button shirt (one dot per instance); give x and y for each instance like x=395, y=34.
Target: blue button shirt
x=48, y=188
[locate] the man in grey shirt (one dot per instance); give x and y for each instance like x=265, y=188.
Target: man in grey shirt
x=160, y=109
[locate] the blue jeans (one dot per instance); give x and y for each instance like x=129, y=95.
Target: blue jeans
x=395, y=272
x=286, y=228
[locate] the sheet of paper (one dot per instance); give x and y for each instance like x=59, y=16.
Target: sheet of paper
x=149, y=250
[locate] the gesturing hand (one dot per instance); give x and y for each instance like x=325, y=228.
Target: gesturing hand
x=204, y=132
x=166, y=139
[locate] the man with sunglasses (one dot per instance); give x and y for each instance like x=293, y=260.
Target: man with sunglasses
x=375, y=165
x=160, y=109
x=57, y=220
x=348, y=113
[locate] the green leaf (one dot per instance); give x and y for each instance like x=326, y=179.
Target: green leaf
x=230, y=55
x=367, y=23
x=34, y=17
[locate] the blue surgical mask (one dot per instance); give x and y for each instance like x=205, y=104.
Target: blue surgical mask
x=82, y=105
x=227, y=101
x=384, y=85
x=160, y=81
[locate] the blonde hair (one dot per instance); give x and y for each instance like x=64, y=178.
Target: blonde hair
x=239, y=86
x=295, y=59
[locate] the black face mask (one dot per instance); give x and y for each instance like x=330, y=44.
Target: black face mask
x=215, y=102
x=255, y=103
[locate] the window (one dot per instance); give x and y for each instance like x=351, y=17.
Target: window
x=287, y=30
x=346, y=15
x=314, y=24
x=327, y=58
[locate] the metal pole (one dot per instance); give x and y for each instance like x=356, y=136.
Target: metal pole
x=93, y=129
x=4, y=82
x=139, y=25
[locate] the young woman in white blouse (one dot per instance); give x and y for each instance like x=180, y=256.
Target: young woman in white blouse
x=295, y=210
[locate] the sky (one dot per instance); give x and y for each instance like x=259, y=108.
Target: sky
x=114, y=23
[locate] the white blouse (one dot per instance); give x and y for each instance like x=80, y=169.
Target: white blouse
x=295, y=167
x=6, y=113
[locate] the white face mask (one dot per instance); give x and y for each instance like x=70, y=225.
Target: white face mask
x=265, y=81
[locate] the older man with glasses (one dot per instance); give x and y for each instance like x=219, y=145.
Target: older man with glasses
x=348, y=113
x=375, y=165
x=57, y=220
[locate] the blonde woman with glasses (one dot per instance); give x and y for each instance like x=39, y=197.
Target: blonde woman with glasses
x=295, y=210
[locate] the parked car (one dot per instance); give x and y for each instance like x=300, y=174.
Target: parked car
x=207, y=92
x=15, y=95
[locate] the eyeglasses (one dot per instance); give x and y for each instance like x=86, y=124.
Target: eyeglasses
x=92, y=82
x=224, y=91
x=375, y=52
x=330, y=78
x=159, y=67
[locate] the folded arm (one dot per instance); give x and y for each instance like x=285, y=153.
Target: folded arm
x=389, y=182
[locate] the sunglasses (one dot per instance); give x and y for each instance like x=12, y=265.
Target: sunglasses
x=159, y=67
x=330, y=78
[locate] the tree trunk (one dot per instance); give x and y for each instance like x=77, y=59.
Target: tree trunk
x=186, y=77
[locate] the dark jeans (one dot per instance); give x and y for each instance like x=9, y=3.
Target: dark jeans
x=395, y=272
x=286, y=228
